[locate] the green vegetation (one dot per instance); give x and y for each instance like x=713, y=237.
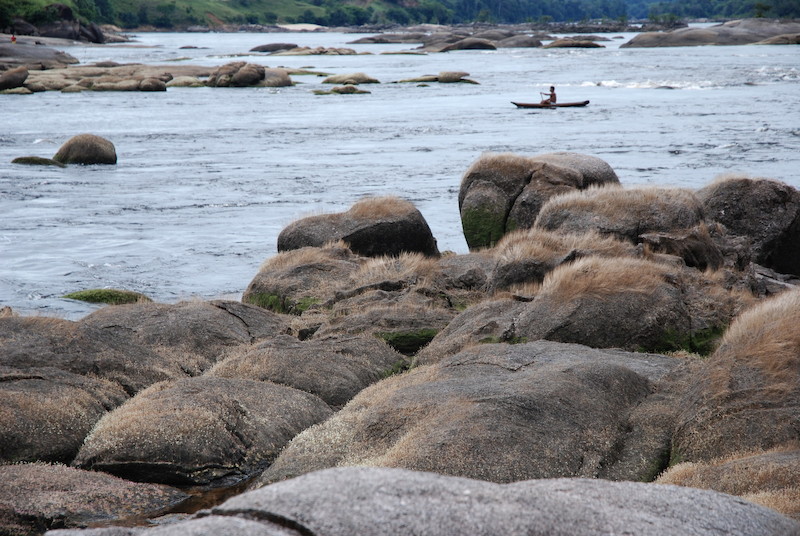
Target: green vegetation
x=108, y=295
x=701, y=342
x=482, y=228
x=408, y=342
x=397, y=368
x=179, y=14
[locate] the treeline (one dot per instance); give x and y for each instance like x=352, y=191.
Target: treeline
x=180, y=14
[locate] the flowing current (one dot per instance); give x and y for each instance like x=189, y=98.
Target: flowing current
x=207, y=178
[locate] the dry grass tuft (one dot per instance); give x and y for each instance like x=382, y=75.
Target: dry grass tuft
x=619, y=204
x=373, y=208
x=537, y=243
x=413, y=267
x=765, y=337
x=500, y=164
x=769, y=478
x=307, y=255
x=598, y=277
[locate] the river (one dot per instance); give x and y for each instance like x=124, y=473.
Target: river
x=207, y=178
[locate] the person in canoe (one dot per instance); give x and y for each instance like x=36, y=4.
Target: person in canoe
x=549, y=98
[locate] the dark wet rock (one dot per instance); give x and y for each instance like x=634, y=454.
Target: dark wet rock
x=747, y=395
x=37, y=497
x=333, y=368
x=469, y=43
x=519, y=41
x=243, y=74
x=273, y=47
x=764, y=211
x=503, y=192
x=394, y=501
x=573, y=43
x=45, y=413
x=735, y=32
x=194, y=334
x=498, y=412
x=13, y=78
x=87, y=149
x=152, y=84
x=37, y=161
x=199, y=431
x=372, y=227
x=32, y=342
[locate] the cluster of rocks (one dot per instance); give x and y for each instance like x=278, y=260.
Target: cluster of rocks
x=737, y=32
x=84, y=149
x=368, y=383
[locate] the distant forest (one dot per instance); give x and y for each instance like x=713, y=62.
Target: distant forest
x=181, y=14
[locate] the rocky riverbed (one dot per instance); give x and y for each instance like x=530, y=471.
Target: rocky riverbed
x=604, y=358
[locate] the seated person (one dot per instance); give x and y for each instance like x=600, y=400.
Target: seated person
x=550, y=98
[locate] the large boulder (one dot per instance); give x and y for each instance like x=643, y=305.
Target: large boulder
x=767, y=478
x=332, y=368
x=34, y=56
x=766, y=212
x=395, y=502
x=87, y=149
x=194, y=333
x=295, y=280
x=623, y=213
x=32, y=342
x=503, y=192
x=371, y=501
x=199, y=431
x=747, y=396
x=371, y=227
x=602, y=302
x=13, y=78
x=736, y=32
x=635, y=304
x=243, y=74
x=46, y=413
x=37, y=497
x=502, y=413
x=469, y=43
x=525, y=256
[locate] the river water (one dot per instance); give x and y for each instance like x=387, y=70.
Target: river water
x=207, y=178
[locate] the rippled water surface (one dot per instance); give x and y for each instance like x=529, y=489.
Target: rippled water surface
x=207, y=178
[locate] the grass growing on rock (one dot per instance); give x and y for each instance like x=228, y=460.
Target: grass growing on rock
x=108, y=295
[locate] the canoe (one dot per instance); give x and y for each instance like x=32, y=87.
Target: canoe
x=556, y=105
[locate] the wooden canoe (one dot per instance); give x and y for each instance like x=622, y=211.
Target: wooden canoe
x=556, y=105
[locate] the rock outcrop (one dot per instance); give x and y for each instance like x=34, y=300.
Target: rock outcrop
x=736, y=32
x=503, y=192
x=87, y=149
x=372, y=227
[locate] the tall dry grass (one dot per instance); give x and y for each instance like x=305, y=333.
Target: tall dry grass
x=537, y=243
x=373, y=208
x=764, y=338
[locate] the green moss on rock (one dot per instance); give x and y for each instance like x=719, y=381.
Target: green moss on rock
x=408, y=342
x=482, y=228
x=108, y=295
